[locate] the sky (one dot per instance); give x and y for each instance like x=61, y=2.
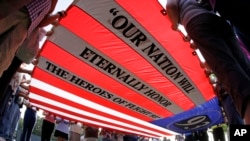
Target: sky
x=62, y=5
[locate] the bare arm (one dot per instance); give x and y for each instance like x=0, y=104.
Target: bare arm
x=24, y=70
x=26, y=87
x=173, y=13
x=25, y=95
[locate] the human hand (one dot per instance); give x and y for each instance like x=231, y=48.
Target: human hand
x=193, y=45
x=186, y=38
x=62, y=14
x=26, y=96
x=55, y=22
x=35, y=61
x=175, y=27
x=49, y=33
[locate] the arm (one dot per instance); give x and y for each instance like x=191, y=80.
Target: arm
x=27, y=103
x=24, y=70
x=26, y=87
x=22, y=94
x=173, y=13
x=49, y=19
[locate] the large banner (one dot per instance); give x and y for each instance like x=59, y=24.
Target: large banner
x=119, y=65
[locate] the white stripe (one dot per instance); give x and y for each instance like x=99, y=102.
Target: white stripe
x=61, y=93
x=88, y=121
x=84, y=113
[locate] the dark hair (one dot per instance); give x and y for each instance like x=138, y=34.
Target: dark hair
x=91, y=132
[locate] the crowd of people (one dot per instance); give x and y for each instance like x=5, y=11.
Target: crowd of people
x=218, y=28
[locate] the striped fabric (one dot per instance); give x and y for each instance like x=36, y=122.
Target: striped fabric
x=119, y=65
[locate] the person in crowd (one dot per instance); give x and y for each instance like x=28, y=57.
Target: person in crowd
x=179, y=138
x=12, y=87
x=91, y=134
x=225, y=100
x=15, y=113
x=75, y=131
x=18, y=25
x=218, y=133
x=29, y=121
x=119, y=136
x=11, y=112
x=189, y=137
x=48, y=126
x=27, y=50
x=106, y=135
x=129, y=138
x=30, y=114
x=218, y=44
x=22, y=94
x=27, y=53
x=62, y=129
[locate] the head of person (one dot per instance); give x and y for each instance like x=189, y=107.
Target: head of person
x=91, y=132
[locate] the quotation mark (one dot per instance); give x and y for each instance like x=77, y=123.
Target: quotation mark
x=114, y=11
